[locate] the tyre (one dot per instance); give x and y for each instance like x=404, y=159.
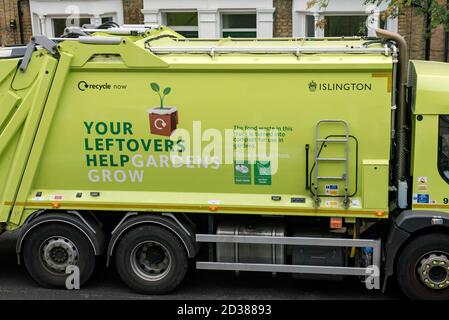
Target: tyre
x=51, y=248
x=423, y=268
x=151, y=260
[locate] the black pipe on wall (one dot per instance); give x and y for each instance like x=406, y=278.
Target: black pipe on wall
x=19, y=19
x=428, y=37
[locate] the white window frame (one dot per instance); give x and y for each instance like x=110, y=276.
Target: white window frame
x=306, y=30
x=343, y=14
x=52, y=17
x=109, y=14
x=179, y=28
x=237, y=12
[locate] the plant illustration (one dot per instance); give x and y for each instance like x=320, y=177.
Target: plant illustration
x=156, y=88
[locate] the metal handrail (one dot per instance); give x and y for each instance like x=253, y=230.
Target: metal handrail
x=270, y=49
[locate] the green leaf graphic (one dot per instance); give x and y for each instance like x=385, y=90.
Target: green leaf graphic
x=155, y=87
x=167, y=91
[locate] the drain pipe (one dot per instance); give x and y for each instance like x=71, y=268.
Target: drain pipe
x=19, y=17
x=401, y=118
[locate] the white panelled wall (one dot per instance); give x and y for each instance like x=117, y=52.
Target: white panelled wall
x=338, y=8
x=44, y=13
x=215, y=18
x=210, y=13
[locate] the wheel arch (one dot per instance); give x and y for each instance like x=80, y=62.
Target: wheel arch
x=407, y=226
x=86, y=224
x=179, y=225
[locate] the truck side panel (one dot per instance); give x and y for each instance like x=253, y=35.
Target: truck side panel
x=101, y=140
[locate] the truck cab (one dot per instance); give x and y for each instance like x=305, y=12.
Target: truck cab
x=429, y=96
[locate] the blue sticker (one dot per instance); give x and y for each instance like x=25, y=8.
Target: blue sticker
x=423, y=198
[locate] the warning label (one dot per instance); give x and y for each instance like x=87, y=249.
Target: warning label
x=331, y=189
x=423, y=185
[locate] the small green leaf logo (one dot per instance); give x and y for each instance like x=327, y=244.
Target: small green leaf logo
x=156, y=88
x=312, y=86
x=167, y=90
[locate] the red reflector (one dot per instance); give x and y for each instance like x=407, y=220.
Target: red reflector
x=336, y=223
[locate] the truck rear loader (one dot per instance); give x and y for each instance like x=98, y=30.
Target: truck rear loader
x=319, y=158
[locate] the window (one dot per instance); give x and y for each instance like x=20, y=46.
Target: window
x=339, y=26
x=383, y=24
x=185, y=23
x=239, y=25
x=443, y=147
x=59, y=24
x=310, y=26
x=106, y=19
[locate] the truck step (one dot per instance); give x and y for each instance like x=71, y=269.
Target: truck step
x=331, y=177
x=291, y=241
x=331, y=159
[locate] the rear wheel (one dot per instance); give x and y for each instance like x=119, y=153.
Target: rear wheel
x=50, y=249
x=423, y=268
x=151, y=260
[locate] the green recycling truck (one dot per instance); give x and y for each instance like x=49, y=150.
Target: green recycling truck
x=320, y=158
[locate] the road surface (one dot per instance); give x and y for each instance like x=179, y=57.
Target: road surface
x=199, y=285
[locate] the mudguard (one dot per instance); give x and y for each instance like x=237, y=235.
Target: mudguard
x=180, y=226
x=404, y=227
x=83, y=223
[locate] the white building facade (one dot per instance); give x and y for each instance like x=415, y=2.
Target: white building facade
x=215, y=18
x=49, y=17
x=343, y=18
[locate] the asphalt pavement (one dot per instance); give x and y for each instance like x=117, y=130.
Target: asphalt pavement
x=15, y=284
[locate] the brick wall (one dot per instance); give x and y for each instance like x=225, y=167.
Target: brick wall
x=437, y=41
x=411, y=27
x=282, y=25
x=8, y=11
x=132, y=11
x=437, y=45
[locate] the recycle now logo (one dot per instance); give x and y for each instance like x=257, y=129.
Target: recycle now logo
x=83, y=86
x=312, y=86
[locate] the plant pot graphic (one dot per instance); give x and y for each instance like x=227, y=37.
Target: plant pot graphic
x=163, y=121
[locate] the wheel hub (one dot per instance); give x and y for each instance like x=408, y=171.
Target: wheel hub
x=434, y=271
x=58, y=252
x=151, y=261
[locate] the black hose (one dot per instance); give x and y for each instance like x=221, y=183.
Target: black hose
x=71, y=35
x=307, y=166
x=108, y=24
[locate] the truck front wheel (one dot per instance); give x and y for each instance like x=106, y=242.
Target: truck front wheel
x=50, y=249
x=151, y=260
x=423, y=268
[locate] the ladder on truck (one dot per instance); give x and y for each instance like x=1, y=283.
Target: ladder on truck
x=344, y=176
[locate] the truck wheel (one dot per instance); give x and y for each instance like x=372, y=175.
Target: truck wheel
x=151, y=260
x=51, y=248
x=423, y=268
